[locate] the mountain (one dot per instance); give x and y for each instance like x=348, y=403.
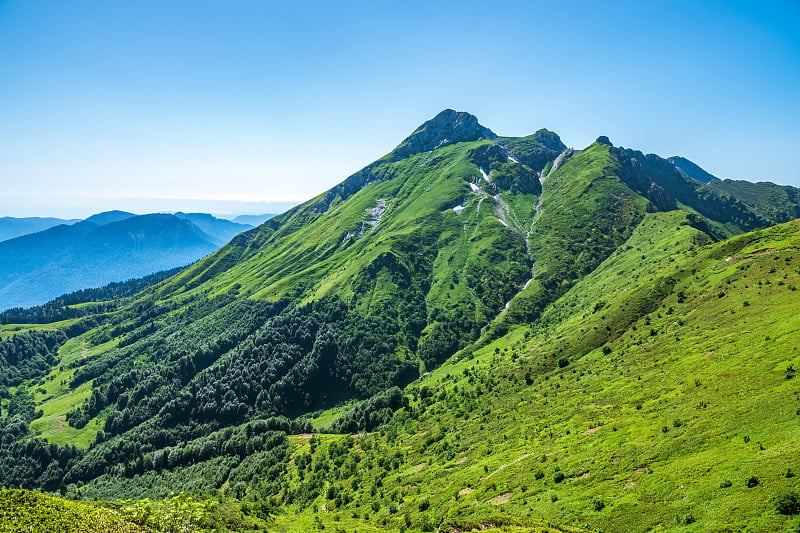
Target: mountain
x=108, y=217
x=220, y=230
x=480, y=332
x=11, y=227
x=253, y=220
x=691, y=169
x=772, y=202
x=108, y=247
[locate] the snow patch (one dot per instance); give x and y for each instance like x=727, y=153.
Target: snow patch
x=458, y=209
x=512, y=158
x=485, y=175
x=503, y=222
x=475, y=188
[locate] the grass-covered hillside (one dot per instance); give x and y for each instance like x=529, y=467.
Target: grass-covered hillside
x=23, y=511
x=471, y=332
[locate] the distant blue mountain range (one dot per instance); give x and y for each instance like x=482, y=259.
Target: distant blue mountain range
x=57, y=256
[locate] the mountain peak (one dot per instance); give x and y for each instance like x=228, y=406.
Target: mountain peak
x=448, y=127
x=107, y=217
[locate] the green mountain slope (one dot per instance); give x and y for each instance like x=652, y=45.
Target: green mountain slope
x=774, y=203
x=649, y=396
x=539, y=336
x=23, y=511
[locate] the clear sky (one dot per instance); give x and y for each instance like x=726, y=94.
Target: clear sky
x=231, y=106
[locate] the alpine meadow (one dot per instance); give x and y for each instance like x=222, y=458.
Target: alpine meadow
x=472, y=333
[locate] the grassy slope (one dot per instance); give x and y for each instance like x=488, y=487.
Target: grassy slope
x=691, y=392
x=282, y=261
x=585, y=213
x=8, y=330
x=771, y=201
x=55, y=398
x=27, y=511
x=24, y=511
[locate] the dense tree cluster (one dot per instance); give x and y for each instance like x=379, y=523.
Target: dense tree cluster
x=224, y=362
x=245, y=360
x=27, y=355
x=59, y=308
x=372, y=413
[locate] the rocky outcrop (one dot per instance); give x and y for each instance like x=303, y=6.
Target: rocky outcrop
x=536, y=150
x=369, y=174
x=505, y=174
x=448, y=127
x=659, y=181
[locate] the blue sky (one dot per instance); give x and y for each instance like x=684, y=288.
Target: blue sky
x=230, y=107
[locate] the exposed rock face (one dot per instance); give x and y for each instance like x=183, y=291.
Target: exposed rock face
x=604, y=140
x=534, y=150
x=506, y=174
x=448, y=127
x=661, y=182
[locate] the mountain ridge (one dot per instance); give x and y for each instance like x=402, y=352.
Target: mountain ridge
x=491, y=324
x=118, y=245
x=11, y=227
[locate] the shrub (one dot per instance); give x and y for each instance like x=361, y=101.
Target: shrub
x=788, y=503
x=752, y=481
x=597, y=503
